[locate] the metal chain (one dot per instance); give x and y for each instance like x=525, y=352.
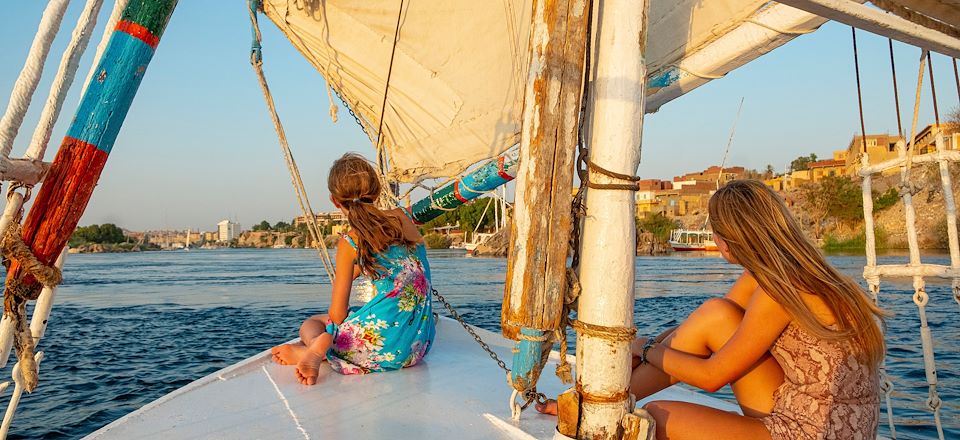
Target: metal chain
x=531, y=395
x=469, y=329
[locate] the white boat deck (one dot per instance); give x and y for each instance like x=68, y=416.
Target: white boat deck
x=457, y=392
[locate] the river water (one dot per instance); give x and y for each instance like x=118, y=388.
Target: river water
x=129, y=328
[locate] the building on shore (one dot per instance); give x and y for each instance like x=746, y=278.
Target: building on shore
x=227, y=231
x=323, y=218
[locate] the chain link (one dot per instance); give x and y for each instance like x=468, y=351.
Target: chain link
x=476, y=337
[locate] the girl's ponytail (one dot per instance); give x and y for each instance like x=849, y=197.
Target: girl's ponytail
x=355, y=186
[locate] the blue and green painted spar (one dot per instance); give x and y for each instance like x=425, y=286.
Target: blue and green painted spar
x=83, y=153
x=484, y=179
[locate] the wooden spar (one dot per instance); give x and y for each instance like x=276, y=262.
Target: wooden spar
x=855, y=14
x=608, y=251
x=485, y=178
x=69, y=183
x=536, y=269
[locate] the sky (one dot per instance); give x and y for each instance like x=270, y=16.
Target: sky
x=198, y=146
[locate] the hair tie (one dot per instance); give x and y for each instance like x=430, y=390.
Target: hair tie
x=356, y=200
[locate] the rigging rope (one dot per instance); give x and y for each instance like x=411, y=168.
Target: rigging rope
x=29, y=77
x=64, y=78
x=933, y=91
x=896, y=93
x=383, y=106
x=256, y=60
x=874, y=282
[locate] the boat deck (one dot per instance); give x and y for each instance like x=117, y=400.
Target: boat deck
x=457, y=392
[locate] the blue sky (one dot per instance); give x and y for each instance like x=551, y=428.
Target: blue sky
x=198, y=145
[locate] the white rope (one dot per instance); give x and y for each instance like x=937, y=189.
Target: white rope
x=298, y=186
x=118, y=8
x=64, y=79
x=29, y=77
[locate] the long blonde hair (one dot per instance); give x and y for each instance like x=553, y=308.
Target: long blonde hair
x=766, y=240
x=354, y=185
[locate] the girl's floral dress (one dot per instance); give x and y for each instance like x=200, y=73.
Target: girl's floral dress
x=396, y=328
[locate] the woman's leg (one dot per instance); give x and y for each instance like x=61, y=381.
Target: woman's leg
x=682, y=420
x=290, y=354
x=704, y=332
x=308, y=368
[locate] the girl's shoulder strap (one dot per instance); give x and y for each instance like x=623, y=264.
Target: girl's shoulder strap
x=349, y=240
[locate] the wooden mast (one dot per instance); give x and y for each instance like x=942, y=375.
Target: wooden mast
x=608, y=250
x=540, y=231
x=69, y=184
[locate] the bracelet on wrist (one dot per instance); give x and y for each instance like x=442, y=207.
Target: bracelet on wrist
x=646, y=347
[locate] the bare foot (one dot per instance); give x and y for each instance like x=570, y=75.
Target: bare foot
x=548, y=408
x=308, y=368
x=288, y=354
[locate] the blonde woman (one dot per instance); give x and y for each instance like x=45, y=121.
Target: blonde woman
x=798, y=341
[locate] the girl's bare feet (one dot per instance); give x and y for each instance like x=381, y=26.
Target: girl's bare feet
x=308, y=368
x=288, y=354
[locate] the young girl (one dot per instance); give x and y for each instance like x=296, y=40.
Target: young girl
x=393, y=330
x=798, y=341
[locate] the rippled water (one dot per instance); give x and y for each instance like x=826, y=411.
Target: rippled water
x=129, y=328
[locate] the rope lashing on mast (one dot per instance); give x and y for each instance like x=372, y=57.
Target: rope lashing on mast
x=16, y=295
x=256, y=60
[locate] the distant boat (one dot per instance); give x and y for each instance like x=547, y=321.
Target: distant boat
x=692, y=240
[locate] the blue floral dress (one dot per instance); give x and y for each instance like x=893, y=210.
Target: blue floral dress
x=396, y=328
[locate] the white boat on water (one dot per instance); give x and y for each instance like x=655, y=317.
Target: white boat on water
x=683, y=240
x=439, y=87
x=457, y=392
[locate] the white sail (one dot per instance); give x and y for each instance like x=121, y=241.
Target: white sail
x=459, y=68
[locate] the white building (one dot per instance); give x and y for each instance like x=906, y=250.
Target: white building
x=227, y=230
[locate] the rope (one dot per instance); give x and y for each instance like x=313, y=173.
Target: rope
x=896, y=94
x=956, y=77
x=16, y=295
x=905, y=180
x=29, y=77
x=856, y=69
x=64, y=79
x=386, y=90
x=256, y=60
x=933, y=91
x=610, y=333
x=592, y=167
x=778, y=30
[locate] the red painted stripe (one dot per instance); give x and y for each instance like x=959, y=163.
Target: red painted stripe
x=139, y=32
x=59, y=205
x=501, y=171
x=456, y=192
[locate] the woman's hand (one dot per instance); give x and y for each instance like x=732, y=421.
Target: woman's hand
x=636, y=349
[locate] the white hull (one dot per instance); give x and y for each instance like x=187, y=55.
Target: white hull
x=458, y=392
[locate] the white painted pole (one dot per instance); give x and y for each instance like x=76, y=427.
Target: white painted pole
x=15, y=398
x=41, y=310
x=607, y=263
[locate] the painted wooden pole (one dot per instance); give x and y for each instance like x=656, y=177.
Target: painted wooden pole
x=83, y=153
x=486, y=178
x=608, y=250
x=540, y=231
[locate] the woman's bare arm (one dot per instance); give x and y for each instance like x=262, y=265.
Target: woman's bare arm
x=762, y=324
x=347, y=271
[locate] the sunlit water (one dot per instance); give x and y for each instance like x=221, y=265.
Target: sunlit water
x=129, y=328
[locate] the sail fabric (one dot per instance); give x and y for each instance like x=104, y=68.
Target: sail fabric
x=459, y=68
